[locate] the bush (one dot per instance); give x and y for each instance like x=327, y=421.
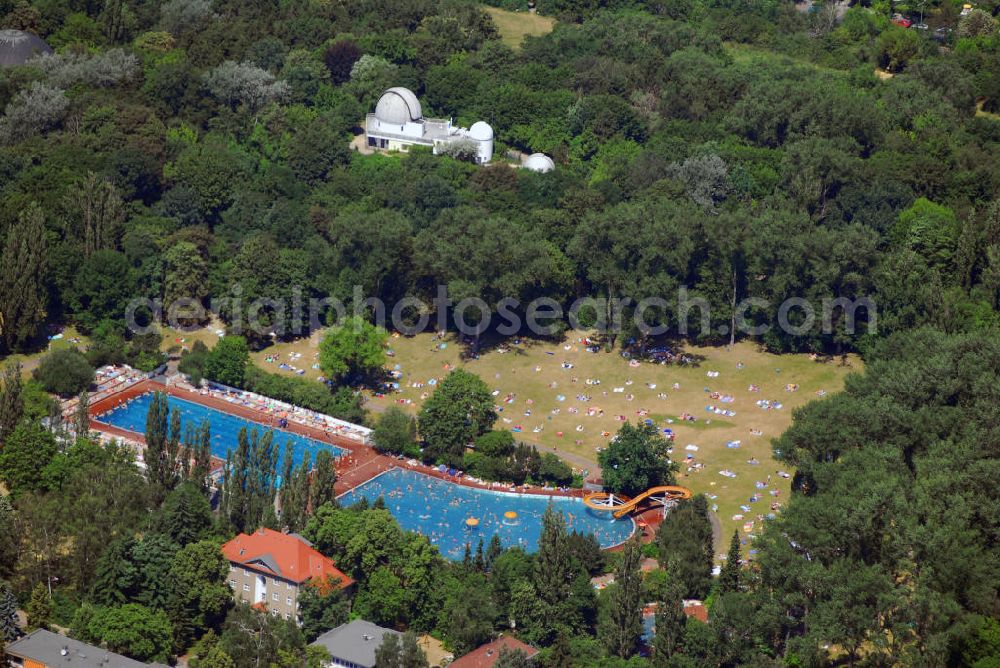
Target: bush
x=102, y=70
x=228, y=361
x=64, y=372
x=37, y=108
x=229, y=364
x=193, y=362
x=555, y=470
x=179, y=16
x=244, y=83
x=396, y=433
x=341, y=403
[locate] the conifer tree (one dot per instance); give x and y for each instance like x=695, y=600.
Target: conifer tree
x=561, y=654
x=302, y=482
x=186, y=514
x=237, y=465
x=493, y=551
x=410, y=654
x=116, y=576
x=729, y=577
x=286, y=491
x=553, y=572
x=173, y=455
x=9, y=629
x=11, y=400
x=81, y=420
x=202, y=446
x=670, y=622
x=324, y=478
x=621, y=620
x=23, y=293
x=157, y=444
x=387, y=654
x=479, y=561
x=39, y=610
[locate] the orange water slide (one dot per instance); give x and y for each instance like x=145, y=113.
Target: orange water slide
x=620, y=506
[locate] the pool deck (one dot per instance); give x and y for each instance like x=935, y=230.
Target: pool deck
x=358, y=465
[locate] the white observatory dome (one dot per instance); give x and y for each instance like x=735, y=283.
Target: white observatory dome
x=539, y=162
x=481, y=131
x=398, y=106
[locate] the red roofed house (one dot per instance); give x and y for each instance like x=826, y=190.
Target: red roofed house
x=696, y=609
x=486, y=655
x=267, y=568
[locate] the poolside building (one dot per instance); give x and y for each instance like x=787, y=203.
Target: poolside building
x=398, y=123
x=353, y=645
x=45, y=649
x=268, y=568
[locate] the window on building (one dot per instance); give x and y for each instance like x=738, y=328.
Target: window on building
x=288, y=601
x=371, y=141
x=246, y=587
x=232, y=583
x=274, y=597
x=288, y=585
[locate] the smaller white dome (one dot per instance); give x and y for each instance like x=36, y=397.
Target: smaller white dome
x=539, y=162
x=481, y=131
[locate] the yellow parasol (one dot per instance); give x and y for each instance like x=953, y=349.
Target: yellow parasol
x=510, y=514
x=472, y=522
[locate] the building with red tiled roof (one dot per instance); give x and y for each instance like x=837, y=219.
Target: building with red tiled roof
x=486, y=655
x=696, y=609
x=267, y=569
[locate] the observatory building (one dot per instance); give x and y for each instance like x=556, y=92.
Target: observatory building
x=539, y=162
x=398, y=123
x=17, y=47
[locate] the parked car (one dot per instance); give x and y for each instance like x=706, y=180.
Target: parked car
x=901, y=21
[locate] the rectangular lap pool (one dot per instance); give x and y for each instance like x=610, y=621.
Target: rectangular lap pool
x=225, y=427
x=439, y=510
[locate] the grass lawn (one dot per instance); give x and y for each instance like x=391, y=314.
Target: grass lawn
x=30, y=361
x=530, y=376
x=178, y=340
x=513, y=26
x=985, y=114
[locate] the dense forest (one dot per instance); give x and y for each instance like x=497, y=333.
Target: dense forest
x=201, y=148
x=741, y=150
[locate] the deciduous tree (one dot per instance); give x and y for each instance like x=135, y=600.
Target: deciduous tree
x=23, y=296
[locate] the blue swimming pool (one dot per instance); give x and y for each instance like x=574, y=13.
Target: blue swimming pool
x=225, y=427
x=439, y=509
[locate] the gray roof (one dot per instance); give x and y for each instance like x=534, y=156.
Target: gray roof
x=355, y=642
x=398, y=106
x=17, y=47
x=54, y=650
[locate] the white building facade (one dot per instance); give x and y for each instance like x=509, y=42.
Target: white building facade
x=398, y=123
